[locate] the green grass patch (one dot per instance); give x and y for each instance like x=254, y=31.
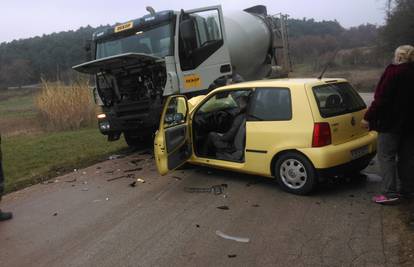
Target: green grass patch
x=30, y=159
x=18, y=106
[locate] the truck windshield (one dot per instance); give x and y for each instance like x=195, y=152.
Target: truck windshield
x=155, y=42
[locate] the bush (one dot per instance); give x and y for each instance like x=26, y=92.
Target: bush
x=65, y=107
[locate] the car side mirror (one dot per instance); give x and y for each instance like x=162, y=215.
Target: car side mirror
x=178, y=117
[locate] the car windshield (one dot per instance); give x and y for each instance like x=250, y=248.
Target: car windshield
x=336, y=99
x=156, y=42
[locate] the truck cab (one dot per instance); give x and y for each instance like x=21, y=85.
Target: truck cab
x=139, y=62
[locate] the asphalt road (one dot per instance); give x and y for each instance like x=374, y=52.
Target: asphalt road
x=82, y=219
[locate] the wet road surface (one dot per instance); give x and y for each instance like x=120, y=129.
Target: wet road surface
x=82, y=219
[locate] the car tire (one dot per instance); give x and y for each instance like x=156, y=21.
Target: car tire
x=295, y=173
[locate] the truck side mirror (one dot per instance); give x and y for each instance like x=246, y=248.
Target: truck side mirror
x=187, y=34
x=88, y=50
x=88, y=47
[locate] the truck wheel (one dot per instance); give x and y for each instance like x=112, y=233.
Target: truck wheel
x=137, y=142
x=295, y=173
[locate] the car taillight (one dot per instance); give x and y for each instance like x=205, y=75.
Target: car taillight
x=321, y=134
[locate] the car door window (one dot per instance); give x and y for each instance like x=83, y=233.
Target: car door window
x=271, y=104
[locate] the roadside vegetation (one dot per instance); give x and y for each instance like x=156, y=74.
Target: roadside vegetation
x=48, y=131
x=29, y=159
x=65, y=107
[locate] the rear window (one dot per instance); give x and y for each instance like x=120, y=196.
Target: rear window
x=337, y=99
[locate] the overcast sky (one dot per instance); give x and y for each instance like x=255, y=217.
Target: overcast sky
x=29, y=18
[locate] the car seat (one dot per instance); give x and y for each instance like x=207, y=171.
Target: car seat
x=239, y=144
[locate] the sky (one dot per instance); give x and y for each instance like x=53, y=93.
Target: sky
x=28, y=18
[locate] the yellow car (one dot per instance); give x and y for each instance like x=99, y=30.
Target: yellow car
x=299, y=131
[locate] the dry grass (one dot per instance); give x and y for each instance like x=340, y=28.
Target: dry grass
x=65, y=107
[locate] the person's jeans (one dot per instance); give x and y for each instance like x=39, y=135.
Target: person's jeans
x=406, y=164
x=396, y=156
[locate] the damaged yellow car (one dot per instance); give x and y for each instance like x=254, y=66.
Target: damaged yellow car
x=298, y=131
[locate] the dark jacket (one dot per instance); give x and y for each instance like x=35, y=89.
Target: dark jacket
x=231, y=133
x=393, y=107
x=1, y=173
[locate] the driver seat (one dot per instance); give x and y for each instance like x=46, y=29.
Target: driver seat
x=239, y=144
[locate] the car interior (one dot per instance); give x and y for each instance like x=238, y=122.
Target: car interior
x=217, y=115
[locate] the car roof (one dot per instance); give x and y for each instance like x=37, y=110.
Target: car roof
x=286, y=82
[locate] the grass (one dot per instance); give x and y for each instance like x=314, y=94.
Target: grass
x=17, y=106
x=30, y=159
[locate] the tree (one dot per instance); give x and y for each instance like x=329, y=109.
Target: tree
x=17, y=73
x=399, y=28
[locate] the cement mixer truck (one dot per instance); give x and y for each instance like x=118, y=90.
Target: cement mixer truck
x=139, y=63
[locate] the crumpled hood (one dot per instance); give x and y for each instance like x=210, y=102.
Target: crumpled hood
x=116, y=62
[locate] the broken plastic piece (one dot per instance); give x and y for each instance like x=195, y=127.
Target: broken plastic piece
x=216, y=189
x=140, y=180
x=114, y=157
x=133, y=170
x=120, y=177
x=234, y=238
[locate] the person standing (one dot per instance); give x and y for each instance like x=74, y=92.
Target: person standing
x=391, y=114
x=3, y=215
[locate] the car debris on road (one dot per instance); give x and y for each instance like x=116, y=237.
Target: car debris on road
x=234, y=238
x=120, y=177
x=134, y=170
x=216, y=189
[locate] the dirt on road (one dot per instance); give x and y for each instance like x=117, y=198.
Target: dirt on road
x=122, y=213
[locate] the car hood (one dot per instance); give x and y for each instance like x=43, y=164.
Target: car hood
x=116, y=62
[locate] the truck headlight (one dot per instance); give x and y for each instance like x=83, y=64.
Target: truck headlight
x=101, y=116
x=104, y=126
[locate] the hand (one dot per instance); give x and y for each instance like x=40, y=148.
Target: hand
x=364, y=124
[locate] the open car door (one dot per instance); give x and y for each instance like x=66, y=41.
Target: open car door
x=172, y=146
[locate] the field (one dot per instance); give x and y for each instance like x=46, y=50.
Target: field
x=30, y=154
x=17, y=112
x=363, y=79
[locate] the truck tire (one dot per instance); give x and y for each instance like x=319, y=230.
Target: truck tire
x=135, y=141
x=295, y=173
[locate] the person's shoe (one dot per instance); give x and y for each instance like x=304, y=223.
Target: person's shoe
x=4, y=216
x=386, y=200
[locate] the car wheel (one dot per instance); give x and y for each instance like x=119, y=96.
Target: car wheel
x=295, y=173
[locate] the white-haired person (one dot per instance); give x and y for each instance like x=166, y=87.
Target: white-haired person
x=391, y=114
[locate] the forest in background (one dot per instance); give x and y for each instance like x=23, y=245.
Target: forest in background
x=51, y=56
